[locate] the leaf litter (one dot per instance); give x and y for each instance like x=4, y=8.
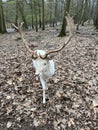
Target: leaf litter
x=72, y=98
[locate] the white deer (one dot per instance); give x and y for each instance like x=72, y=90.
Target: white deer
x=44, y=66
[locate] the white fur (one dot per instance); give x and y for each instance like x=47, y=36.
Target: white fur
x=41, y=52
x=44, y=68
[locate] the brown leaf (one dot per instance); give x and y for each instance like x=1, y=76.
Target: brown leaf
x=9, y=124
x=71, y=122
x=36, y=123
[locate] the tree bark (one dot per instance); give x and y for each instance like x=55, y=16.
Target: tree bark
x=43, y=14
x=56, y=11
x=82, y=14
x=2, y=20
x=32, y=11
x=63, y=29
x=96, y=17
x=17, y=11
x=40, y=22
x=21, y=9
x=84, y=17
x=36, y=19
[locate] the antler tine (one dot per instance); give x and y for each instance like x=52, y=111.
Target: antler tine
x=59, y=49
x=15, y=26
x=70, y=25
x=19, y=28
x=21, y=24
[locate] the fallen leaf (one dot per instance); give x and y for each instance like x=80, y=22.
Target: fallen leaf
x=8, y=97
x=10, y=81
x=33, y=109
x=58, y=107
x=95, y=101
x=9, y=124
x=71, y=122
x=35, y=122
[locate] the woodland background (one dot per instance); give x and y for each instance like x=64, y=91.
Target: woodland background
x=72, y=98
x=40, y=13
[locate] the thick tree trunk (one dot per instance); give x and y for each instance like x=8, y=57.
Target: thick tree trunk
x=96, y=17
x=96, y=21
x=63, y=29
x=82, y=14
x=2, y=21
x=84, y=17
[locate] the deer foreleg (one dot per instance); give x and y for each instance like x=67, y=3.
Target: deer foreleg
x=43, y=82
x=44, y=96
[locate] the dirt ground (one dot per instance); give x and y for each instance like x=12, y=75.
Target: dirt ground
x=72, y=97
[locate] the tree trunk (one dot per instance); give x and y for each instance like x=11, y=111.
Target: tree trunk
x=43, y=14
x=84, y=17
x=50, y=13
x=40, y=22
x=2, y=21
x=36, y=20
x=31, y=7
x=21, y=9
x=16, y=19
x=50, y=17
x=96, y=17
x=63, y=29
x=56, y=11
x=82, y=14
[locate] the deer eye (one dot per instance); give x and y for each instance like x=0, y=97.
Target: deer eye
x=34, y=57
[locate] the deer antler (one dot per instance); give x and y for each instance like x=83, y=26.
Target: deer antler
x=19, y=29
x=70, y=24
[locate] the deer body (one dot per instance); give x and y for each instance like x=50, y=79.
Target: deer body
x=44, y=67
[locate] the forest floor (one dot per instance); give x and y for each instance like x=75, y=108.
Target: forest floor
x=72, y=97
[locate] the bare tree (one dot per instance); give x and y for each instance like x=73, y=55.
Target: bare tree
x=21, y=9
x=56, y=11
x=39, y=9
x=2, y=21
x=63, y=29
x=36, y=16
x=82, y=14
x=43, y=18
x=96, y=16
x=17, y=13
x=32, y=11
